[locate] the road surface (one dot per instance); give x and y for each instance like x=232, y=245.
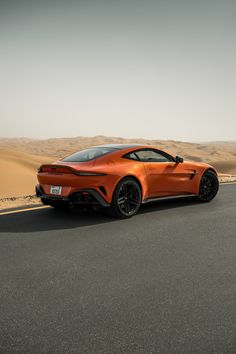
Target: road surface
x=163, y=281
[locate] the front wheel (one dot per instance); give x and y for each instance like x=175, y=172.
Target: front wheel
x=209, y=187
x=126, y=199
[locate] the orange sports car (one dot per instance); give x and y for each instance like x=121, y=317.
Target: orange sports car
x=122, y=177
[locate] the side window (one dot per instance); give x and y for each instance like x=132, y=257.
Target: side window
x=148, y=155
x=131, y=156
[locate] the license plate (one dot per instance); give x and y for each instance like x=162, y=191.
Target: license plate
x=56, y=190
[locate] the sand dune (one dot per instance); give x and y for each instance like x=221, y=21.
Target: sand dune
x=59, y=147
x=227, y=167
x=20, y=158
x=18, y=172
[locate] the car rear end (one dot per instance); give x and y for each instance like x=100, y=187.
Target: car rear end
x=64, y=184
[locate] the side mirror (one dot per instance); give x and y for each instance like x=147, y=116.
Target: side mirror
x=179, y=159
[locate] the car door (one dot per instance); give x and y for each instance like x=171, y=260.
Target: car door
x=165, y=177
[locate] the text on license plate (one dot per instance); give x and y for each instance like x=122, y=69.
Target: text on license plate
x=55, y=190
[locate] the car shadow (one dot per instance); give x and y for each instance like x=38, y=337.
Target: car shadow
x=50, y=219
x=47, y=219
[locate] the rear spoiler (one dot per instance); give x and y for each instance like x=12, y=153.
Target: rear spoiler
x=67, y=169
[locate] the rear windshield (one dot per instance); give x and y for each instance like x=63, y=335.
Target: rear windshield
x=88, y=155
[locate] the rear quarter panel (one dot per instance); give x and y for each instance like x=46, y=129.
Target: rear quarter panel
x=119, y=168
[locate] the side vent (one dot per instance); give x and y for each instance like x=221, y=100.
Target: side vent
x=103, y=190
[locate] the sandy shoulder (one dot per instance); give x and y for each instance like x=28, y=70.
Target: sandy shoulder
x=227, y=178
x=15, y=202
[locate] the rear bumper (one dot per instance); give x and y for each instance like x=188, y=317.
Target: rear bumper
x=81, y=197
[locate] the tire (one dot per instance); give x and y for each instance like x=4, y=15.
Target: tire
x=127, y=198
x=209, y=187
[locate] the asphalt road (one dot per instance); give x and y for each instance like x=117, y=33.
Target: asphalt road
x=163, y=281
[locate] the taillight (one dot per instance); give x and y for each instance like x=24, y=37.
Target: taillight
x=55, y=169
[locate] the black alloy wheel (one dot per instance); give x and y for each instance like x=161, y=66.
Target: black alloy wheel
x=209, y=186
x=127, y=198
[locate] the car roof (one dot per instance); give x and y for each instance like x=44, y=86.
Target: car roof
x=127, y=148
x=120, y=146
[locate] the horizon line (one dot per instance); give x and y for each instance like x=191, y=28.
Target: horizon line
x=119, y=137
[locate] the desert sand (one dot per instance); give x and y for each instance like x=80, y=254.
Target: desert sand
x=21, y=157
x=18, y=172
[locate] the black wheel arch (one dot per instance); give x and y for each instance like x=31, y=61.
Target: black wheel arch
x=209, y=169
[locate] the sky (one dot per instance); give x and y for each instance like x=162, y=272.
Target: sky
x=159, y=69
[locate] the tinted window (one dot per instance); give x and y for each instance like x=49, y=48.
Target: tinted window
x=151, y=156
x=131, y=156
x=88, y=155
